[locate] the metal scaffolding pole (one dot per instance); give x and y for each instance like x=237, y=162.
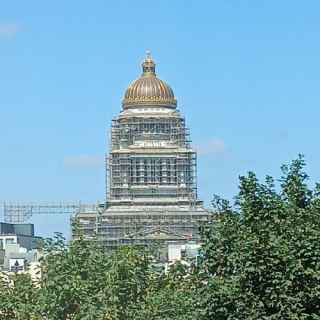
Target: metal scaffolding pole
x=22, y=212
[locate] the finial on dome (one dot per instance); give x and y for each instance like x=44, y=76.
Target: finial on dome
x=148, y=65
x=148, y=55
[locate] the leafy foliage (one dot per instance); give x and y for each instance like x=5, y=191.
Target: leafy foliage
x=17, y=298
x=82, y=282
x=169, y=296
x=260, y=260
x=263, y=258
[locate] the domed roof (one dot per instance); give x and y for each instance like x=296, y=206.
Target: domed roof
x=148, y=89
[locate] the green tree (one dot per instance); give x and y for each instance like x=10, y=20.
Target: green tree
x=169, y=296
x=81, y=281
x=262, y=258
x=18, y=298
x=127, y=281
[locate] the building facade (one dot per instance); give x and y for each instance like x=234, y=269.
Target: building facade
x=18, y=246
x=22, y=234
x=151, y=171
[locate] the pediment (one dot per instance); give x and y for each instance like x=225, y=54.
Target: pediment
x=156, y=234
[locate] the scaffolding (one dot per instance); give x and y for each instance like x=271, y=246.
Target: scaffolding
x=126, y=131
x=143, y=224
x=151, y=157
x=22, y=212
x=151, y=184
x=151, y=180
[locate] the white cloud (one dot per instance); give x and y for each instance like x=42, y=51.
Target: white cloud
x=8, y=30
x=84, y=161
x=213, y=146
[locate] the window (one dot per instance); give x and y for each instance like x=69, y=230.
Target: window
x=10, y=241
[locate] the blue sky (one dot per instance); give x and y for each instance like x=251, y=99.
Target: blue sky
x=245, y=73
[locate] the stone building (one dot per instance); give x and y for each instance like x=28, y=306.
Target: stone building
x=151, y=171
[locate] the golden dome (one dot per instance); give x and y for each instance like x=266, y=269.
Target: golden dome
x=149, y=90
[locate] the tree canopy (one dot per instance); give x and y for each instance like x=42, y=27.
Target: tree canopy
x=260, y=259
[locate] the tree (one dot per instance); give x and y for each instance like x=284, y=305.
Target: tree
x=262, y=256
x=79, y=281
x=260, y=260
x=18, y=297
x=83, y=282
x=169, y=296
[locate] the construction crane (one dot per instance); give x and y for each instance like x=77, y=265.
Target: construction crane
x=22, y=212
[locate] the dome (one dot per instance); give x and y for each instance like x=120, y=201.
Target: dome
x=149, y=90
